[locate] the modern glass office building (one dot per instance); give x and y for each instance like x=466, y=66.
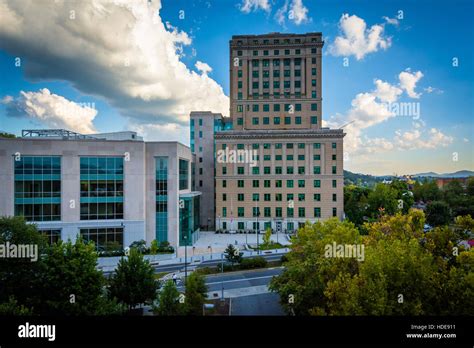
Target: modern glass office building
x=112, y=188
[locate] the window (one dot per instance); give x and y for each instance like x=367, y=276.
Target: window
x=266, y=63
x=313, y=94
x=289, y=145
x=241, y=213
x=224, y=170
x=266, y=183
x=255, y=53
x=334, y=145
x=255, y=197
x=276, y=73
x=287, y=52
x=289, y=212
x=102, y=236
x=224, y=211
x=313, y=50
x=276, y=52
x=278, y=212
x=314, y=107
x=301, y=145
x=256, y=170
x=300, y=157
x=289, y=183
x=267, y=212
x=333, y=157
x=255, y=74
x=255, y=183
x=317, y=212
x=266, y=170
x=276, y=107
x=334, y=212
x=316, y=157
x=313, y=60
x=289, y=170
x=301, y=170
x=278, y=183
x=240, y=170
x=317, y=197
x=265, y=52
x=240, y=183
x=266, y=73
x=314, y=119
x=317, y=145
x=334, y=183
x=278, y=197
x=255, y=107
x=266, y=120
x=239, y=73
x=287, y=120
x=200, y=134
x=278, y=146
x=240, y=121
x=313, y=83
x=301, y=212
x=301, y=183
x=276, y=120
x=266, y=146
x=267, y=197
x=297, y=73
x=298, y=120
x=224, y=183
x=267, y=157
x=224, y=197
x=239, y=95
x=289, y=157
x=240, y=225
x=313, y=71
x=334, y=197
x=266, y=84
x=301, y=197
x=183, y=174
x=316, y=170
x=334, y=169
x=37, y=187
x=240, y=197
x=278, y=170
x=255, y=211
x=239, y=84
x=255, y=121
x=317, y=183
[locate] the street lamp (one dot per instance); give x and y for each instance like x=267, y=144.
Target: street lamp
x=222, y=276
x=218, y=222
x=185, y=237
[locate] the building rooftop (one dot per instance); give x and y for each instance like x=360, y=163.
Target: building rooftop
x=64, y=134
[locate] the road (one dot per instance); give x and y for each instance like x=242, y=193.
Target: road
x=176, y=267
x=248, y=291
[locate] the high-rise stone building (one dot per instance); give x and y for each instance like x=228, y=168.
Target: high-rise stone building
x=108, y=188
x=276, y=111
x=203, y=126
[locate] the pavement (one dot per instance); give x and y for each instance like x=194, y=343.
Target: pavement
x=248, y=291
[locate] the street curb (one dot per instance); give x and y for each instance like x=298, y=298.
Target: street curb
x=244, y=271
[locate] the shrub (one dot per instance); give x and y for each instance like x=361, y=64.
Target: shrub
x=255, y=262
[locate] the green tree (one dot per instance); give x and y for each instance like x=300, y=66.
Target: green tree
x=133, y=282
x=438, y=213
x=382, y=198
x=233, y=255
x=267, y=237
x=71, y=283
x=13, y=308
x=427, y=191
x=196, y=293
x=169, y=300
x=355, y=203
x=18, y=276
x=470, y=186
x=154, y=247
x=7, y=135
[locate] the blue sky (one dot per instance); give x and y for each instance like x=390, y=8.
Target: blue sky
x=80, y=68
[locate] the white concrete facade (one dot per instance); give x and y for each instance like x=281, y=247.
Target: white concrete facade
x=138, y=182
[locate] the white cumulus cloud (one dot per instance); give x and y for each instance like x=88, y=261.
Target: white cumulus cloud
x=248, y=6
x=358, y=40
x=408, y=81
x=295, y=11
x=52, y=110
x=117, y=50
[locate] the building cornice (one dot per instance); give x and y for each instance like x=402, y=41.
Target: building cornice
x=279, y=134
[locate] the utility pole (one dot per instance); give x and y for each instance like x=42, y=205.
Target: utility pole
x=222, y=274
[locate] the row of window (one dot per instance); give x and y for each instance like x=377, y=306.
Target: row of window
x=275, y=95
x=277, y=158
x=278, y=212
x=291, y=108
x=279, y=170
x=280, y=146
x=279, y=183
x=301, y=197
x=276, y=73
x=277, y=120
x=277, y=41
x=276, y=84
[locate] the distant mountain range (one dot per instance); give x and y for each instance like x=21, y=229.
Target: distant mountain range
x=458, y=174
x=370, y=180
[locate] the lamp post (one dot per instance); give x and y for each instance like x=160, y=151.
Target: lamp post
x=218, y=222
x=185, y=237
x=258, y=230
x=222, y=273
